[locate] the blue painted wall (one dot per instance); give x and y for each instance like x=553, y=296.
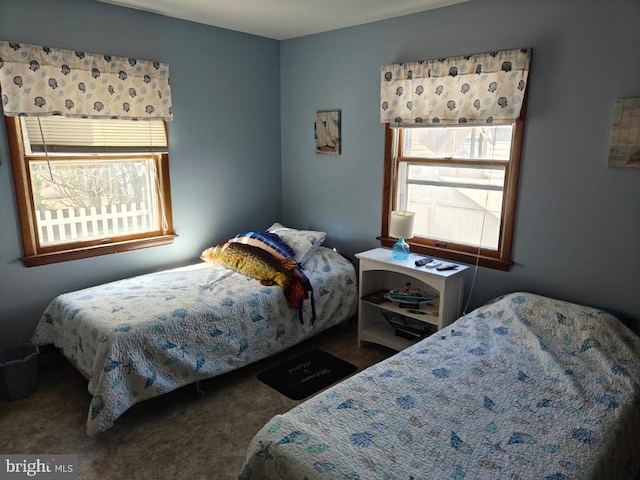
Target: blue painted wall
x=242, y=148
x=577, y=234
x=224, y=142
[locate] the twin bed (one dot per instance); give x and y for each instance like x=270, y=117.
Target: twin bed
x=139, y=338
x=525, y=387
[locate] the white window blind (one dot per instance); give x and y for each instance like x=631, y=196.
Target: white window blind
x=89, y=135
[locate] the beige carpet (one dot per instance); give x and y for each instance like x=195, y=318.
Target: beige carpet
x=171, y=437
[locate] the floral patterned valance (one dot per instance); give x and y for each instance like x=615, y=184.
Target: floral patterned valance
x=37, y=80
x=486, y=88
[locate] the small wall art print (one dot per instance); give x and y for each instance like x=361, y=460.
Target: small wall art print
x=327, y=132
x=624, y=150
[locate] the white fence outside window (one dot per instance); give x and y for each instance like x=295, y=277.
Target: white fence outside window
x=77, y=224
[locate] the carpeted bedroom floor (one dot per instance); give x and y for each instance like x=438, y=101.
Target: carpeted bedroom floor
x=174, y=436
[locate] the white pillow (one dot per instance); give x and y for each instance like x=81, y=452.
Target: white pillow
x=303, y=242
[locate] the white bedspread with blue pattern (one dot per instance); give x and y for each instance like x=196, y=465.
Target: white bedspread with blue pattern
x=144, y=336
x=525, y=387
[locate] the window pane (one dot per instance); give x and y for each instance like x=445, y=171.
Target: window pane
x=488, y=143
x=450, y=202
x=79, y=200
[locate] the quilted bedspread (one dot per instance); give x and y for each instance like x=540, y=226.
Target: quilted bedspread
x=525, y=387
x=141, y=337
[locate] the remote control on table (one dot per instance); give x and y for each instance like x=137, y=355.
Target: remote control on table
x=446, y=266
x=423, y=261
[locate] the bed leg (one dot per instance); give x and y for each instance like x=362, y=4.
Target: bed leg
x=199, y=392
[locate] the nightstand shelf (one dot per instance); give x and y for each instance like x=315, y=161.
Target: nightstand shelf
x=379, y=272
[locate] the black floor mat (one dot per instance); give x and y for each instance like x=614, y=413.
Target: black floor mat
x=307, y=374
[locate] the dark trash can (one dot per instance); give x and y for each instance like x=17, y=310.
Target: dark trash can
x=18, y=371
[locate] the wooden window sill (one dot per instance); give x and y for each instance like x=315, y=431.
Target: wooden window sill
x=96, y=250
x=452, y=255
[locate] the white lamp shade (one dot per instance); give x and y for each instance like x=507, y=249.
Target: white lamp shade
x=401, y=225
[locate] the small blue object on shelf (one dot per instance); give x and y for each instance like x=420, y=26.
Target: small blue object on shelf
x=400, y=250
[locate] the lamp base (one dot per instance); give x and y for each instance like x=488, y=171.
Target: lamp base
x=400, y=250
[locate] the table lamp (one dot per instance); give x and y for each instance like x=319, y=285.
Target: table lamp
x=401, y=227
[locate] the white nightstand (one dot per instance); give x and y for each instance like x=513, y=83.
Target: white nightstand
x=379, y=271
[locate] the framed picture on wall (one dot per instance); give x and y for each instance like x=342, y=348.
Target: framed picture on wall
x=625, y=134
x=327, y=129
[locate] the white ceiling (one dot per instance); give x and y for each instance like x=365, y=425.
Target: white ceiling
x=283, y=19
